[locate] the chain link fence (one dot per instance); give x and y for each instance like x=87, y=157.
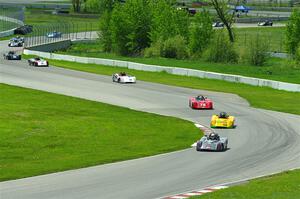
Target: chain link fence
x=43, y=34
x=11, y=18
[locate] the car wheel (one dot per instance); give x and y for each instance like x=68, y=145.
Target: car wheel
x=198, y=147
x=222, y=147
x=119, y=80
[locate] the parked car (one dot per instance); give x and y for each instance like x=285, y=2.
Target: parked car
x=23, y=30
x=265, y=23
x=38, y=62
x=11, y=55
x=218, y=24
x=54, y=34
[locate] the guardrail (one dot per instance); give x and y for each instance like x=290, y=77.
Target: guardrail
x=11, y=31
x=171, y=70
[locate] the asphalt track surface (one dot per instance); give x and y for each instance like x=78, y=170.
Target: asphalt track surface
x=262, y=143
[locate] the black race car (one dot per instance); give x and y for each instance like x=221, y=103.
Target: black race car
x=265, y=23
x=11, y=55
x=218, y=24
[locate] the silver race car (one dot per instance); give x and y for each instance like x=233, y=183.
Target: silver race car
x=37, y=62
x=212, y=142
x=123, y=78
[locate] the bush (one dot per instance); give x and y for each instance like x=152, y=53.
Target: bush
x=155, y=50
x=293, y=32
x=297, y=56
x=200, y=33
x=175, y=47
x=221, y=50
x=257, y=51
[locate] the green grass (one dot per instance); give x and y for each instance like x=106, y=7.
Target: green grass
x=274, y=35
x=285, y=185
x=275, y=69
x=260, y=97
x=41, y=19
x=43, y=133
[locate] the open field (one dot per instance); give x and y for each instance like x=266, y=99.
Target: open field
x=285, y=185
x=275, y=68
x=41, y=18
x=260, y=97
x=43, y=133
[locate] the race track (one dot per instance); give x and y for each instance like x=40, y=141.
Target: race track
x=263, y=142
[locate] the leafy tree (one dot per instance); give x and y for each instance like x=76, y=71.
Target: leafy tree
x=76, y=5
x=130, y=27
x=200, y=33
x=167, y=21
x=293, y=32
x=226, y=14
x=101, y=6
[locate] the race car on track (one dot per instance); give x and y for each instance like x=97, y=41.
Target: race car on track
x=265, y=23
x=212, y=142
x=15, y=42
x=200, y=102
x=54, y=34
x=37, y=62
x=223, y=120
x=11, y=55
x=123, y=78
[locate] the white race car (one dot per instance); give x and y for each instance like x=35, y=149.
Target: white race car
x=15, y=43
x=37, y=62
x=123, y=78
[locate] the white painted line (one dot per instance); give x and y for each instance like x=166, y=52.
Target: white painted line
x=178, y=197
x=205, y=191
x=194, y=145
x=192, y=194
x=199, y=126
x=219, y=187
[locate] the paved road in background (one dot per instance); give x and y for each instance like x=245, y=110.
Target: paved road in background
x=263, y=142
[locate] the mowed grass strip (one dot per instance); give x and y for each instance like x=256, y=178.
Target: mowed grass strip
x=43, y=133
x=285, y=185
x=259, y=97
x=275, y=68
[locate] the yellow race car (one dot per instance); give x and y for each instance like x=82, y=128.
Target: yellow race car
x=223, y=120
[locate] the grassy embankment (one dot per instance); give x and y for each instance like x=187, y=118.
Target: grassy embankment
x=260, y=97
x=275, y=68
x=285, y=185
x=43, y=133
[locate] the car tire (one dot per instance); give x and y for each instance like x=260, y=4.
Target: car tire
x=119, y=80
x=198, y=147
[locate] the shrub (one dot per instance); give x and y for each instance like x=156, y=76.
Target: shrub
x=175, y=47
x=257, y=51
x=200, y=33
x=293, y=32
x=155, y=50
x=297, y=56
x=221, y=50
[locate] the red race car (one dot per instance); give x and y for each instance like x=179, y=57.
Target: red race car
x=200, y=102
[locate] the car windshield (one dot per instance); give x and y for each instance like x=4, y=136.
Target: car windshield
x=200, y=98
x=122, y=74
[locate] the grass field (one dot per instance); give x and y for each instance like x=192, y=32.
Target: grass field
x=275, y=36
x=285, y=185
x=275, y=69
x=260, y=97
x=43, y=133
x=42, y=19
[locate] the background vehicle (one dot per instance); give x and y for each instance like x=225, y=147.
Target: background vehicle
x=54, y=34
x=223, y=120
x=212, y=142
x=218, y=25
x=200, y=102
x=38, y=62
x=11, y=55
x=265, y=23
x=123, y=78
x=23, y=30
